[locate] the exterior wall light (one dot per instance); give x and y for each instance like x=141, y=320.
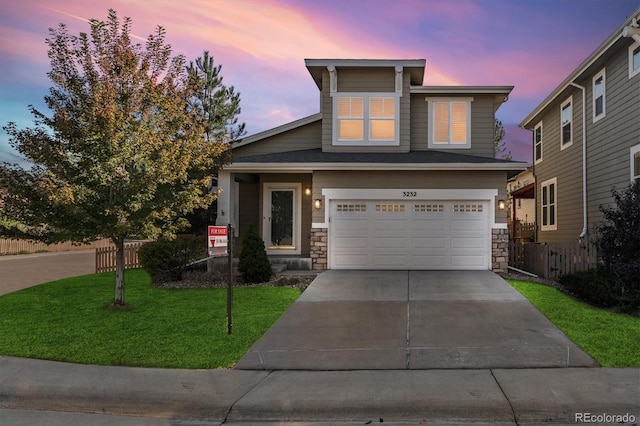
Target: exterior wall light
x=501, y=204
x=307, y=191
x=317, y=203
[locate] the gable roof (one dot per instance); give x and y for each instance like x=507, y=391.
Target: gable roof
x=316, y=159
x=278, y=130
x=588, y=66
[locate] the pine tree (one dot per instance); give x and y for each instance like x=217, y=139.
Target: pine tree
x=254, y=264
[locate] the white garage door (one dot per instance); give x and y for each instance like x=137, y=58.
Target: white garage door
x=409, y=235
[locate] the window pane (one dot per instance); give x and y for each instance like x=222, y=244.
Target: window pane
x=552, y=194
x=544, y=196
x=599, y=105
x=538, y=134
x=382, y=108
x=458, y=122
x=598, y=87
x=350, y=107
x=636, y=58
x=351, y=129
x=566, y=133
x=382, y=129
x=441, y=122
x=552, y=215
x=538, y=151
x=545, y=222
x=566, y=114
x=636, y=164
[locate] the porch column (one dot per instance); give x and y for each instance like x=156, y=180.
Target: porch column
x=226, y=199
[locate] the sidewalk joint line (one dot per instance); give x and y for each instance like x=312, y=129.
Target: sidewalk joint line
x=226, y=416
x=513, y=411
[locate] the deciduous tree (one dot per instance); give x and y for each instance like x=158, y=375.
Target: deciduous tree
x=124, y=151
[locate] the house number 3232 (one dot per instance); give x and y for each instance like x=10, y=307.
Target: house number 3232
x=409, y=194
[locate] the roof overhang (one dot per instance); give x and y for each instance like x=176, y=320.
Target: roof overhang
x=415, y=67
x=252, y=167
x=278, y=130
x=590, y=65
x=500, y=93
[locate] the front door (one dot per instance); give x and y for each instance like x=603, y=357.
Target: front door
x=281, y=223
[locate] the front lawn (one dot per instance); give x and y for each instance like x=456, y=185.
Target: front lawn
x=67, y=320
x=611, y=339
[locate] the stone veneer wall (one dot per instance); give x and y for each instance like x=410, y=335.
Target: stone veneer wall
x=499, y=250
x=319, y=248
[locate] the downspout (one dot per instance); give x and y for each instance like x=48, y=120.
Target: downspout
x=585, y=228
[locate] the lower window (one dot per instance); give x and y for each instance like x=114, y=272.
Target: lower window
x=549, y=211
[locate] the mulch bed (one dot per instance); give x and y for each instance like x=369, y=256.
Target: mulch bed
x=203, y=279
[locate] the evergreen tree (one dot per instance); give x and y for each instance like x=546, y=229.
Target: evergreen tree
x=254, y=265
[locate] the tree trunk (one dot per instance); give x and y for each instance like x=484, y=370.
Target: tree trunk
x=119, y=298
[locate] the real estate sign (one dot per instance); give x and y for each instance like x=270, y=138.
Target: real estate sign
x=217, y=240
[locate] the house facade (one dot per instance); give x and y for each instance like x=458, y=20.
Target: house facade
x=390, y=174
x=586, y=137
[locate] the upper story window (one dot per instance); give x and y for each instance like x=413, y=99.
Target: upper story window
x=634, y=59
x=537, y=143
x=366, y=119
x=450, y=122
x=566, y=119
x=599, y=90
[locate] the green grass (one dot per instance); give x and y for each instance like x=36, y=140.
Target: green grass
x=610, y=338
x=67, y=320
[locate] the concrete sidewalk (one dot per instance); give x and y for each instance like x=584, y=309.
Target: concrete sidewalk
x=484, y=396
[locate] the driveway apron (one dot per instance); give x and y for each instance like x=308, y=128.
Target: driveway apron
x=389, y=320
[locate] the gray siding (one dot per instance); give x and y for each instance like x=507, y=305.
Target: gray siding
x=410, y=180
x=482, y=125
x=608, y=143
x=365, y=80
x=304, y=137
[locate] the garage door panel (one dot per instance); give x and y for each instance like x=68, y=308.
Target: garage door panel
x=389, y=261
x=468, y=262
x=468, y=243
x=428, y=242
x=428, y=224
x=429, y=262
x=389, y=243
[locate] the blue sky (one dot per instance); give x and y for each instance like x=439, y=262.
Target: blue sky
x=532, y=45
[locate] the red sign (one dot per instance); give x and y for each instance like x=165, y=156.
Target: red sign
x=217, y=241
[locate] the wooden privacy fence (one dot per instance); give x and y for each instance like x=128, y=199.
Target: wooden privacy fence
x=106, y=257
x=553, y=260
x=8, y=246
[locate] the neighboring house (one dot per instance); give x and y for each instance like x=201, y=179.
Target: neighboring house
x=586, y=137
x=390, y=174
x=522, y=206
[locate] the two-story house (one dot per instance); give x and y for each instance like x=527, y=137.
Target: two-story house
x=586, y=137
x=390, y=174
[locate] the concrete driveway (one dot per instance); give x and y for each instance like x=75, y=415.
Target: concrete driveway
x=367, y=320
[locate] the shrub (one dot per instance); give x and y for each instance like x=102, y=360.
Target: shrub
x=254, y=265
x=167, y=259
x=618, y=243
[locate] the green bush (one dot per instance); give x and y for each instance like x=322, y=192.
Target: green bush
x=601, y=288
x=167, y=259
x=254, y=265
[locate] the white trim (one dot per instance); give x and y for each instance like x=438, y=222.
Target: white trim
x=547, y=183
x=568, y=101
x=602, y=74
x=430, y=138
x=538, y=160
x=366, y=119
x=296, y=187
x=632, y=152
x=632, y=72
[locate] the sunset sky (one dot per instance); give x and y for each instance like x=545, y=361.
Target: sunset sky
x=261, y=45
